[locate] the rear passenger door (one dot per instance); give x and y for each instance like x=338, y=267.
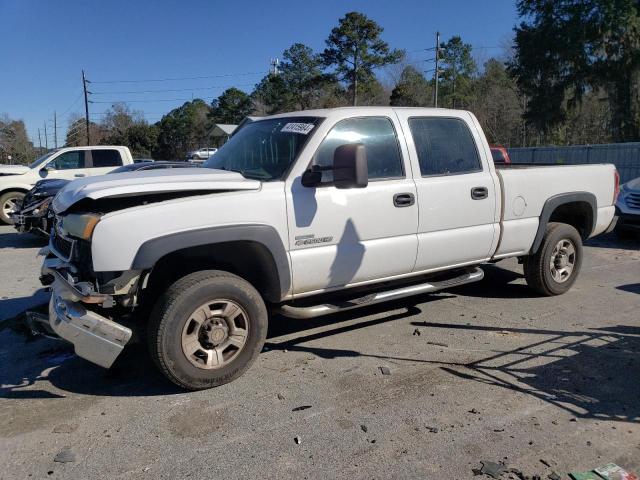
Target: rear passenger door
x=104, y=160
x=457, y=222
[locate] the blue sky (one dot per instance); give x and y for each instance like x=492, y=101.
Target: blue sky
x=45, y=44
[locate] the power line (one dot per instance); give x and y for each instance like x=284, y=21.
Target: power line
x=164, y=90
x=180, y=78
x=143, y=101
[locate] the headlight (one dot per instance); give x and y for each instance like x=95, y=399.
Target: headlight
x=80, y=225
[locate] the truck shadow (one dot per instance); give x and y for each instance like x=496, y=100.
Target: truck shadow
x=611, y=240
x=21, y=240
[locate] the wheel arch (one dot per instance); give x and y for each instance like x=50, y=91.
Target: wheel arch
x=578, y=209
x=254, y=252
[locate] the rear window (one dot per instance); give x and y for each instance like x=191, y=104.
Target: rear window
x=444, y=146
x=106, y=158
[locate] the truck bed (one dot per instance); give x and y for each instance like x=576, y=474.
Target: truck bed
x=526, y=188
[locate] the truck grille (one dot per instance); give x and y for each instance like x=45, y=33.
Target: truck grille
x=633, y=200
x=61, y=245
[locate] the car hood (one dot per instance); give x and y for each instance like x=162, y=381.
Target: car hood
x=13, y=169
x=633, y=184
x=145, y=183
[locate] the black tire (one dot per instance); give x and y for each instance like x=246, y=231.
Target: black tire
x=174, y=308
x=537, y=269
x=3, y=199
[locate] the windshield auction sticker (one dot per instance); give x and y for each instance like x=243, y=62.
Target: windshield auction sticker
x=303, y=128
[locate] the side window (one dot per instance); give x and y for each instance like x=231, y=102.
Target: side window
x=106, y=158
x=444, y=146
x=69, y=160
x=379, y=139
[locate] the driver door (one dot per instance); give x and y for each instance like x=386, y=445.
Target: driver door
x=68, y=166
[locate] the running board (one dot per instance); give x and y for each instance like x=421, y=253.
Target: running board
x=471, y=275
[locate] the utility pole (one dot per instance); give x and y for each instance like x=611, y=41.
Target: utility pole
x=86, y=107
x=46, y=140
x=55, y=130
x=275, y=66
x=39, y=143
x=435, y=91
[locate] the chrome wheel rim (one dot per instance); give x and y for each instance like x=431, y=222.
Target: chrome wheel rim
x=215, y=334
x=10, y=206
x=563, y=260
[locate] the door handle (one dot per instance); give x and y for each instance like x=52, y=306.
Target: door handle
x=79, y=175
x=478, y=193
x=404, y=199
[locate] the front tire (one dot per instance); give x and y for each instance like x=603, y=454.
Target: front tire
x=207, y=329
x=9, y=203
x=553, y=269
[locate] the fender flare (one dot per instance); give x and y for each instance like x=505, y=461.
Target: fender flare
x=153, y=250
x=554, y=202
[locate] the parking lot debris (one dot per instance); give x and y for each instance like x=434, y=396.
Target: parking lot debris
x=438, y=344
x=493, y=469
x=385, y=370
x=611, y=471
x=554, y=476
x=416, y=332
x=474, y=411
x=298, y=440
x=281, y=396
x=364, y=428
x=433, y=429
x=585, y=476
x=545, y=463
x=65, y=455
x=65, y=428
x=301, y=407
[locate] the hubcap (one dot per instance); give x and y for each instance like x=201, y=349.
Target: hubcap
x=10, y=206
x=563, y=260
x=215, y=334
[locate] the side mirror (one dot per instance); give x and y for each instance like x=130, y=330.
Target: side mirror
x=350, y=166
x=312, y=177
x=44, y=171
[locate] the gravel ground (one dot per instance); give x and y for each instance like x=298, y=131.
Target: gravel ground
x=488, y=371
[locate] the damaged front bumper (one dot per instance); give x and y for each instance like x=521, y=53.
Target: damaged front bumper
x=94, y=337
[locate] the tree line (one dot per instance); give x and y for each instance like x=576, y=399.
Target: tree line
x=571, y=76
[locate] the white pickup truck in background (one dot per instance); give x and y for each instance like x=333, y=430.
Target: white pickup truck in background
x=305, y=213
x=67, y=163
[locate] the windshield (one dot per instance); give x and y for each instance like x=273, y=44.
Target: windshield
x=265, y=149
x=40, y=160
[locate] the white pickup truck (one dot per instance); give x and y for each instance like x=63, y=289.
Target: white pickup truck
x=65, y=163
x=305, y=214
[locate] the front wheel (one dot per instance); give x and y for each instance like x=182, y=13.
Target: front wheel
x=207, y=329
x=553, y=269
x=9, y=203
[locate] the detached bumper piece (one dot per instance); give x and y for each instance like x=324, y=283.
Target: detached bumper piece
x=94, y=337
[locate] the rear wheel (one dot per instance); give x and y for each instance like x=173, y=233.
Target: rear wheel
x=9, y=203
x=553, y=269
x=207, y=329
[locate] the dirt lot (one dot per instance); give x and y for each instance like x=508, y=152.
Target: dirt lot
x=484, y=372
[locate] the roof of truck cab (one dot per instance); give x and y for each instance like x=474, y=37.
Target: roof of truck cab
x=326, y=112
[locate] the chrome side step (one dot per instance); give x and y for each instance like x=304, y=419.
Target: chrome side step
x=474, y=274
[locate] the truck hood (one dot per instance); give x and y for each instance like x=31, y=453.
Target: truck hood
x=13, y=169
x=151, y=182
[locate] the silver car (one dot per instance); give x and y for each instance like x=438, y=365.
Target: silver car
x=628, y=206
x=201, y=154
